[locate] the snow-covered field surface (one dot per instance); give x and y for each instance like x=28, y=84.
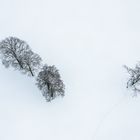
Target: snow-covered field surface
x=89, y=41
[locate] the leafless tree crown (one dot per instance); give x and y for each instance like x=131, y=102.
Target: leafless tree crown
x=134, y=80
x=50, y=83
x=17, y=53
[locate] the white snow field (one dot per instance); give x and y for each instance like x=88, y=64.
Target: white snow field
x=89, y=41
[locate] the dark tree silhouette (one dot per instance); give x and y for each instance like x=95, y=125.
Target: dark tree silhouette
x=134, y=80
x=50, y=83
x=17, y=53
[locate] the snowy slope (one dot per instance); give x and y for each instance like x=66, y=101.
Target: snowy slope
x=89, y=41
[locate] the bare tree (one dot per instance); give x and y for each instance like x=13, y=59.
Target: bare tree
x=50, y=83
x=17, y=53
x=134, y=80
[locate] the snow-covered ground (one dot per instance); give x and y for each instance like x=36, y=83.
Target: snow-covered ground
x=89, y=41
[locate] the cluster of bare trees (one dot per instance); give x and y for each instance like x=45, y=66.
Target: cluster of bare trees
x=16, y=53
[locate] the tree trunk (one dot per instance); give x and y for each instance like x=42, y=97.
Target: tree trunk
x=30, y=70
x=50, y=89
x=19, y=63
x=14, y=54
